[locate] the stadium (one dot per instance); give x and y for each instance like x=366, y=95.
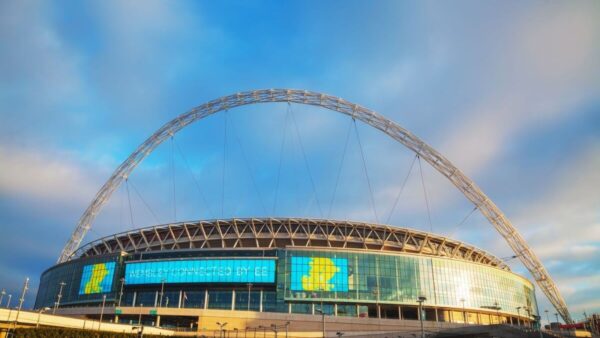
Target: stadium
x=307, y=277
x=281, y=270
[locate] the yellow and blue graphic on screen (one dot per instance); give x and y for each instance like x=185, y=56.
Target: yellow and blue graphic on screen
x=97, y=278
x=319, y=274
x=201, y=271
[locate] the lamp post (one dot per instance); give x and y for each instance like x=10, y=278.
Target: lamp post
x=249, y=293
x=140, y=318
x=376, y=293
x=42, y=310
x=274, y=328
x=556, y=314
x=420, y=300
x=287, y=324
x=497, y=308
x=264, y=328
x=464, y=313
x=162, y=292
x=121, y=292
x=102, y=311
x=236, y=331
x=221, y=330
x=339, y=333
x=21, y=300
x=58, y=297
x=547, y=317
x=322, y=310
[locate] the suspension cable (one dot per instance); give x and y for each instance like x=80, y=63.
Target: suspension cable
x=248, y=166
x=387, y=221
x=224, y=163
x=187, y=164
x=425, y=195
x=312, y=181
x=173, y=179
x=340, y=169
x=364, y=162
x=463, y=220
x=285, y=123
x=145, y=203
x=129, y=200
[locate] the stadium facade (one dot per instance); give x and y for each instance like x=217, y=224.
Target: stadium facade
x=253, y=273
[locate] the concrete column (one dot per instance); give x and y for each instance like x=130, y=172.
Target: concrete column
x=157, y=321
x=180, y=298
x=133, y=304
x=399, y=312
x=205, y=300
x=233, y=299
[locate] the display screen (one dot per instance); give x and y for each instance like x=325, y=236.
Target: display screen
x=97, y=278
x=319, y=274
x=201, y=271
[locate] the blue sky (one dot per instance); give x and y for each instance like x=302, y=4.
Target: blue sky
x=508, y=91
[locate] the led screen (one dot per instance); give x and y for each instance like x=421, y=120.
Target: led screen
x=97, y=278
x=201, y=271
x=319, y=274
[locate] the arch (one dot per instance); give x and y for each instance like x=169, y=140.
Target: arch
x=471, y=191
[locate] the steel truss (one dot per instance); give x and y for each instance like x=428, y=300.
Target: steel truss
x=471, y=191
x=271, y=233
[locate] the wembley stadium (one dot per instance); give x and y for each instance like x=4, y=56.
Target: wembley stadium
x=309, y=277
x=254, y=273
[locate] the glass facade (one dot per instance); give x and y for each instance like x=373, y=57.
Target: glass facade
x=338, y=282
x=358, y=277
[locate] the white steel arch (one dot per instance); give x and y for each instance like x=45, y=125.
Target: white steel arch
x=471, y=191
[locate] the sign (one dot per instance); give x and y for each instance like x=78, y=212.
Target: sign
x=97, y=278
x=153, y=312
x=118, y=311
x=319, y=274
x=201, y=271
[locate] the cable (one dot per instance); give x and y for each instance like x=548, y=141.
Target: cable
x=129, y=200
x=306, y=162
x=145, y=203
x=340, y=168
x=362, y=154
x=187, y=164
x=224, y=164
x=285, y=123
x=463, y=221
x=401, y=189
x=173, y=179
x=248, y=167
x=425, y=194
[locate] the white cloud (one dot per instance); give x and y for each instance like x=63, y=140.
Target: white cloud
x=51, y=176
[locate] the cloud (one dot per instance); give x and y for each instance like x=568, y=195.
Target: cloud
x=52, y=176
x=545, y=71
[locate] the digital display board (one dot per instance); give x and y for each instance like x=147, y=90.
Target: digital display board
x=97, y=278
x=319, y=274
x=201, y=271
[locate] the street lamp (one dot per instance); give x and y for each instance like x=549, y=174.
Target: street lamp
x=420, y=300
x=274, y=328
x=264, y=328
x=162, y=292
x=249, y=292
x=339, y=333
x=322, y=311
x=37, y=324
x=221, y=325
x=464, y=313
x=287, y=324
x=556, y=314
x=121, y=292
x=497, y=308
x=102, y=311
x=58, y=297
